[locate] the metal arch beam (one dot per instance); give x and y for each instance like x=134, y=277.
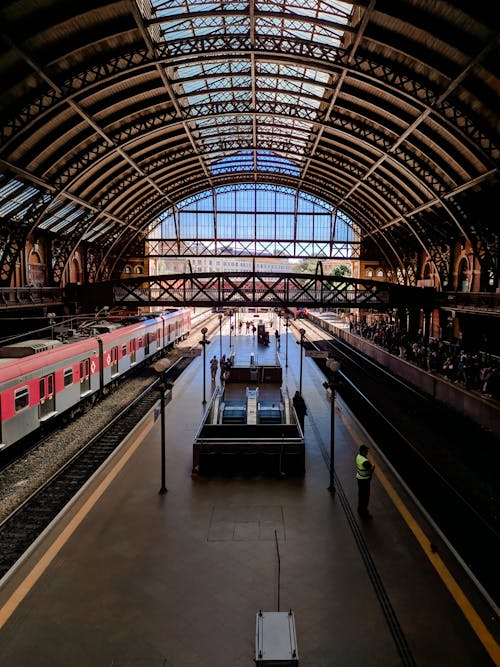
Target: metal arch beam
x=319, y=56
x=82, y=114
x=268, y=290
x=252, y=15
x=363, y=135
x=327, y=189
x=168, y=87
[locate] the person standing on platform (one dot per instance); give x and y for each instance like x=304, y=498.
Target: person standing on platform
x=300, y=408
x=364, y=472
x=213, y=367
x=222, y=368
x=278, y=340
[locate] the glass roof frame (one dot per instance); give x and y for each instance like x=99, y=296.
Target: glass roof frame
x=251, y=84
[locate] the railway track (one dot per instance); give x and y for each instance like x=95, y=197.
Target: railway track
x=429, y=446
x=22, y=527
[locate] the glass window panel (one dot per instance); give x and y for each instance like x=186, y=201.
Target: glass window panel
x=304, y=227
x=206, y=226
x=284, y=226
x=245, y=225
x=226, y=225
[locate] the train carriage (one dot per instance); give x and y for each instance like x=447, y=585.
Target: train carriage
x=36, y=388
x=41, y=386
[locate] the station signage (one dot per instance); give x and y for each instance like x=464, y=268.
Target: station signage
x=316, y=354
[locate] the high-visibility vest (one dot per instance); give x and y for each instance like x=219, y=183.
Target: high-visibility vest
x=361, y=471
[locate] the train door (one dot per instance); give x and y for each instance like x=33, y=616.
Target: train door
x=146, y=344
x=132, y=351
x=114, y=360
x=47, y=403
x=84, y=376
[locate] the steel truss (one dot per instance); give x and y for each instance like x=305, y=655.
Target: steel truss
x=272, y=290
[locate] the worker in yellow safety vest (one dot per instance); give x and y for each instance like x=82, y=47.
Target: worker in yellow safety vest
x=364, y=472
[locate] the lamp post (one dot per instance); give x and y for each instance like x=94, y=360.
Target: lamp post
x=334, y=366
x=287, y=324
x=52, y=321
x=302, y=333
x=220, y=336
x=204, y=342
x=163, y=386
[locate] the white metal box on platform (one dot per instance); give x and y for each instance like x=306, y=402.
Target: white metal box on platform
x=276, y=639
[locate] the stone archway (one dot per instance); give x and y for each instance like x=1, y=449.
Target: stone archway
x=36, y=275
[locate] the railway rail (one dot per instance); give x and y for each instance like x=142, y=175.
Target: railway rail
x=440, y=456
x=22, y=527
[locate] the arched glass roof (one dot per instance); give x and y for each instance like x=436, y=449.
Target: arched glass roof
x=112, y=113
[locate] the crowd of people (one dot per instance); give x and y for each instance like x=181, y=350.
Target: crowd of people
x=475, y=370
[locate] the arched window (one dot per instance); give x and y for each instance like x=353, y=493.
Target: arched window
x=75, y=273
x=127, y=269
x=369, y=273
x=139, y=269
x=463, y=276
x=380, y=273
x=36, y=270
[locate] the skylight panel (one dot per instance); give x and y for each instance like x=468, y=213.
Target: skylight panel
x=245, y=87
x=15, y=197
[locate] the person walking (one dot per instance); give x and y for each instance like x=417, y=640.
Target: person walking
x=222, y=368
x=364, y=472
x=213, y=367
x=300, y=408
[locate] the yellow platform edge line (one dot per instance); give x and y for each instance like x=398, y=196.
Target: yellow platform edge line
x=43, y=563
x=473, y=618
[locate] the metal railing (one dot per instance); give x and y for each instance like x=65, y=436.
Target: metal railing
x=25, y=297
x=478, y=300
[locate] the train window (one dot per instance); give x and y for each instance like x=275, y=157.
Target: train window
x=42, y=389
x=21, y=398
x=124, y=350
x=68, y=377
x=84, y=369
x=50, y=384
x=139, y=342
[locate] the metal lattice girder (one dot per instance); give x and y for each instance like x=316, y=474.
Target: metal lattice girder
x=238, y=46
x=388, y=112
x=272, y=290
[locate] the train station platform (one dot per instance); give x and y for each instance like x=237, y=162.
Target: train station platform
x=132, y=578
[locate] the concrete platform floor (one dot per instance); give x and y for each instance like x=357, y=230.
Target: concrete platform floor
x=131, y=578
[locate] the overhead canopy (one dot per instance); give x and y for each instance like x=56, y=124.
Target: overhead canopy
x=114, y=112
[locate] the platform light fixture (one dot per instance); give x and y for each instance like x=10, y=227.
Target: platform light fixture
x=52, y=321
x=300, y=342
x=331, y=385
x=204, y=342
x=287, y=324
x=220, y=336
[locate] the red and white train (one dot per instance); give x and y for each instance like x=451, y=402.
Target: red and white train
x=43, y=385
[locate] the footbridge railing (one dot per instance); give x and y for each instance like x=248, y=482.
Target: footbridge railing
x=239, y=289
